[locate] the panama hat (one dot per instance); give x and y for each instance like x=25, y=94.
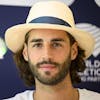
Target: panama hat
x=48, y=15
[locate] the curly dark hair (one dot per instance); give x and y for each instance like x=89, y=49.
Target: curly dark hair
x=77, y=65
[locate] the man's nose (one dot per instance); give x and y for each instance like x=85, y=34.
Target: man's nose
x=47, y=52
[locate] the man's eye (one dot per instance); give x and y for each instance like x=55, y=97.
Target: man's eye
x=37, y=45
x=57, y=45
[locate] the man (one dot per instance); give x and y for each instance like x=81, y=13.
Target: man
x=49, y=52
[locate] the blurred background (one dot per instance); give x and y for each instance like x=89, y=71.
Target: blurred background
x=87, y=17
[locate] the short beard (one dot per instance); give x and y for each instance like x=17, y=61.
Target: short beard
x=57, y=78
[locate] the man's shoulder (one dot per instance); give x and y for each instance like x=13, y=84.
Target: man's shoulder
x=26, y=95
x=85, y=94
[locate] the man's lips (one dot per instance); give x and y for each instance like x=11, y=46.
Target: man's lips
x=47, y=67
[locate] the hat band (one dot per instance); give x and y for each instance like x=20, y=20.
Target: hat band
x=50, y=20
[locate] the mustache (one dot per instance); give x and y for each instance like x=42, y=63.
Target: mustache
x=47, y=62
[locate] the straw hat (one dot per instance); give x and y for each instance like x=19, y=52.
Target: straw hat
x=48, y=15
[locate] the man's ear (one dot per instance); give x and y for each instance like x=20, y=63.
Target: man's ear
x=74, y=51
x=25, y=55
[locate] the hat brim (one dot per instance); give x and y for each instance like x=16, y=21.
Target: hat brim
x=15, y=35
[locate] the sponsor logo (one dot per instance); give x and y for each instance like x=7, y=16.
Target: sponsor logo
x=3, y=48
x=92, y=72
x=97, y=2
x=29, y=2
x=68, y=2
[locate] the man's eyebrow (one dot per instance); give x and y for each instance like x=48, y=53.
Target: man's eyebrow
x=52, y=40
x=36, y=40
x=58, y=40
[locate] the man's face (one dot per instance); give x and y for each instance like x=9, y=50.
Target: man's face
x=49, y=55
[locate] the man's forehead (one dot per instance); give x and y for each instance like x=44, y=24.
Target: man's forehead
x=47, y=34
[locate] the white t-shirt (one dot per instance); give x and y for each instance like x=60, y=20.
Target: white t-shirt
x=83, y=95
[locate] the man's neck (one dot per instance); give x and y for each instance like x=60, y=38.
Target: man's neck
x=62, y=91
